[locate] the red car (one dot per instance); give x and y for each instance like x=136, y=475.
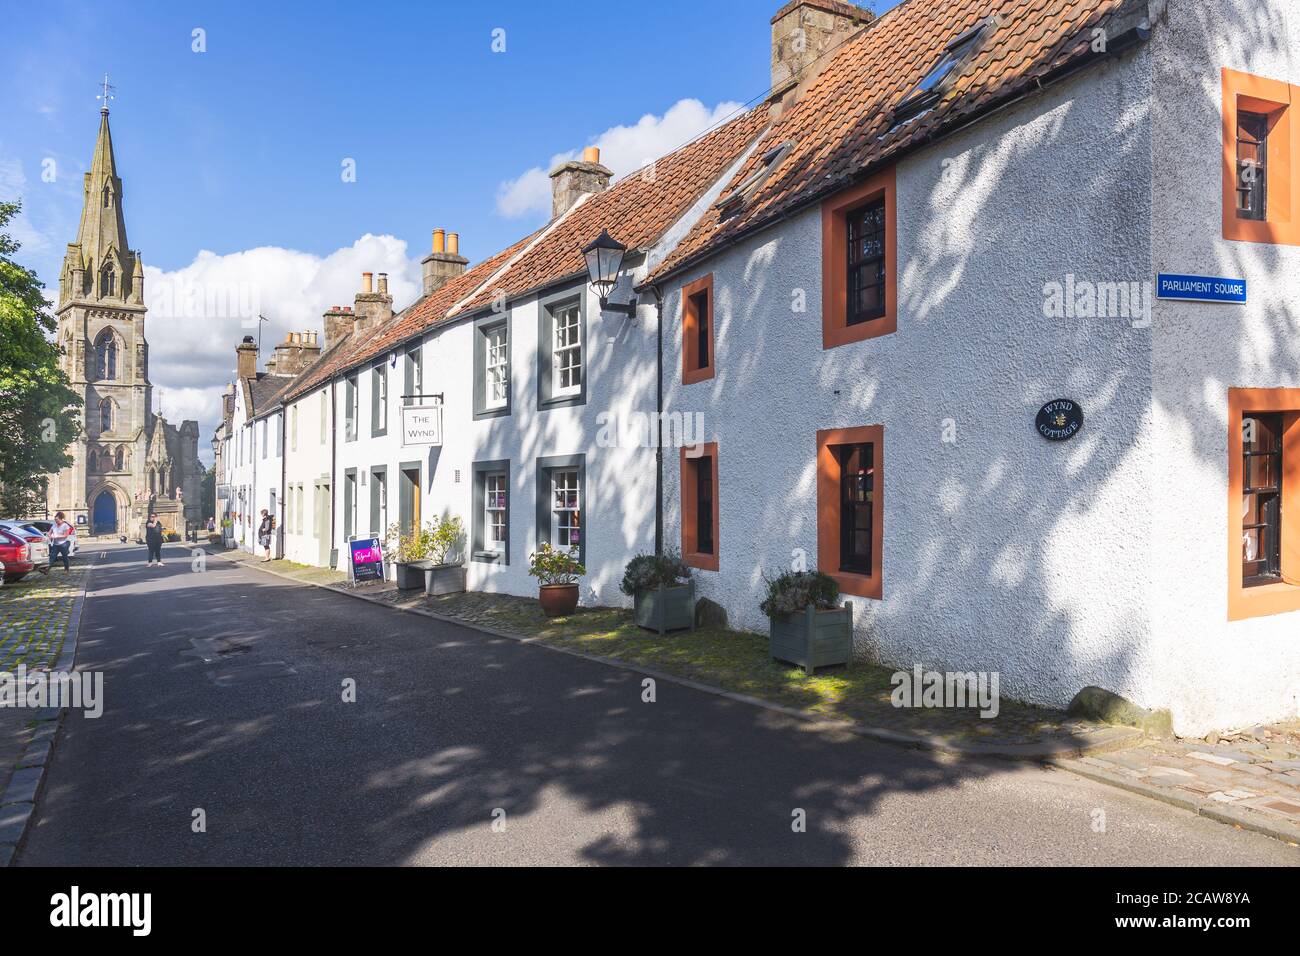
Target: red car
x=15, y=556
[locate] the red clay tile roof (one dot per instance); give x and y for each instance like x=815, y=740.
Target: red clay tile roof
x=354, y=350
x=842, y=128
x=637, y=210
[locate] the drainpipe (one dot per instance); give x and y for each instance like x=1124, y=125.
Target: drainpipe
x=284, y=463
x=659, y=422
x=252, y=492
x=334, y=489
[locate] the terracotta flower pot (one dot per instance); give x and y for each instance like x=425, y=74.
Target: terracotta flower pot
x=558, y=599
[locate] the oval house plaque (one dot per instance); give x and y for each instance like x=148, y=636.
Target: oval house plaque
x=1059, y=420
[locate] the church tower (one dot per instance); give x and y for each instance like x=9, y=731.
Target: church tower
x=126, y=460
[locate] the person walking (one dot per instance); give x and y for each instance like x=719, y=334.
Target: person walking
x=60, y=540
x=264, y=534
x=153, y=539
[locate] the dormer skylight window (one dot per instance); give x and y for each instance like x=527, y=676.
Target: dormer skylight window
x=941, y=77
x=732, y=202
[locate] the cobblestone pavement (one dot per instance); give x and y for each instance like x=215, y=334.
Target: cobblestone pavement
x=1255, y=772
x=34, y=615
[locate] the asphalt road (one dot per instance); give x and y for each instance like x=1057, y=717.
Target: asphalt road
x=224, y=693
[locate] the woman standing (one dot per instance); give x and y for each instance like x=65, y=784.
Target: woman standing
x=264, y=531
x=153, y=539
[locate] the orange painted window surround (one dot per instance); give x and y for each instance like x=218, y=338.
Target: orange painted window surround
x=691, y=554
x=836, y=330
x=1262, y=600
x=828, y=508
x=694, y=295
x=1274, y=99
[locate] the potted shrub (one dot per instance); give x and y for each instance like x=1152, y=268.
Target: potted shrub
x=557, y=574
x=410, y=556
x=445, y=576
x=807, y=627
x=662, y=591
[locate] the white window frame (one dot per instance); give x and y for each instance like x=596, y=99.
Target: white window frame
x=563, y=350
x=566, y=508
x=293, y=430
x=495, y=516
x=496, y=358
x=324, y=416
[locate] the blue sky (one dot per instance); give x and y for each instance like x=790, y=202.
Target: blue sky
x=241, y=147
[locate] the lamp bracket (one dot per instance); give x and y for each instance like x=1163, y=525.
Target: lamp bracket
x=607, y=306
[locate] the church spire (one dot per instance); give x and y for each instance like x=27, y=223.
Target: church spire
x=101, y=248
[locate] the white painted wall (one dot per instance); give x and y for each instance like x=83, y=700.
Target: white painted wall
x=306, y=464
x=1002, y=551
x=1214, y=673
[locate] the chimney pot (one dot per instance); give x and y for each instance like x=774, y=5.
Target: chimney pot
x=366, y=281
x=439, y=241
x=383, y=283
x=591, y=154
x=453, y=243
x=444, y=263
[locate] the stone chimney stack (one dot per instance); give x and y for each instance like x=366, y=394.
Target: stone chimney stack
x=372, y=308
x=295, y=353
x=572, y=180
x=802, y=32
x=246, y=358
x=338, y=323
x=444, y=263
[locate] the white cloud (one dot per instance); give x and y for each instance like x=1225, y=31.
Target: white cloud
x=199, y=313
x=622, y=148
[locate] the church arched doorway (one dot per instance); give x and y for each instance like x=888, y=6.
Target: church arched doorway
x=104, y=514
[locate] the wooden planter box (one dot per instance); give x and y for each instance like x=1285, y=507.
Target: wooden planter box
x=665, y=609
x=410, y=577
x=814, y=638
x=444, y=579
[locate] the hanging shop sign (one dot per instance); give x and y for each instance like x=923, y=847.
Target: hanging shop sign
x=1200, y=288
x=1059, y=420
x=421, y=425
x=366, y=560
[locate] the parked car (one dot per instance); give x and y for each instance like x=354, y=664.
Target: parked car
x=15, y=556
x=44, y=527
x=40, y=545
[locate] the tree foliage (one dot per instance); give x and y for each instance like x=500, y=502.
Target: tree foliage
x=38, y=411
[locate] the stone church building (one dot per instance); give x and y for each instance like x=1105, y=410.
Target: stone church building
x=127, y=460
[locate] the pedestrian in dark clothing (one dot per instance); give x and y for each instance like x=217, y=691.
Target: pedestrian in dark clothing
x=60, y=540
x=264, y=534
x=153, y=539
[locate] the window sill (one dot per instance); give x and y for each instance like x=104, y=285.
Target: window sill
x=858, y=585
x=486, y=413
x=486, y=557
x=695, y=375
x=704, y=562
x=1263, y=600
x=562, y=401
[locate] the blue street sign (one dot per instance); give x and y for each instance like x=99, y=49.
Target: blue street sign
x=1200, y=288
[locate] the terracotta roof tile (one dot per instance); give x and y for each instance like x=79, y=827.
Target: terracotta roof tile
x=842, y=126
x=637, y=210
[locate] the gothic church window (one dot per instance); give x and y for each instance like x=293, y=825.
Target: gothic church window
x=106, y=281
x=106, y=355
x=106, y=415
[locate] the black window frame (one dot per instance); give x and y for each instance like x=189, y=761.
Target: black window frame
x=1268, y=531
x=855, y=221
x=378, y=508
x=703, y=465
x=1257, y=188
x=547, y=306
x=853, y=505
x=350, y=501
x=351, y=407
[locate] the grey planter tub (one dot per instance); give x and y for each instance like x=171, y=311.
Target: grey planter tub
x=814, y=638
x=410, y=577
x=665, y=609
x=444, y=579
